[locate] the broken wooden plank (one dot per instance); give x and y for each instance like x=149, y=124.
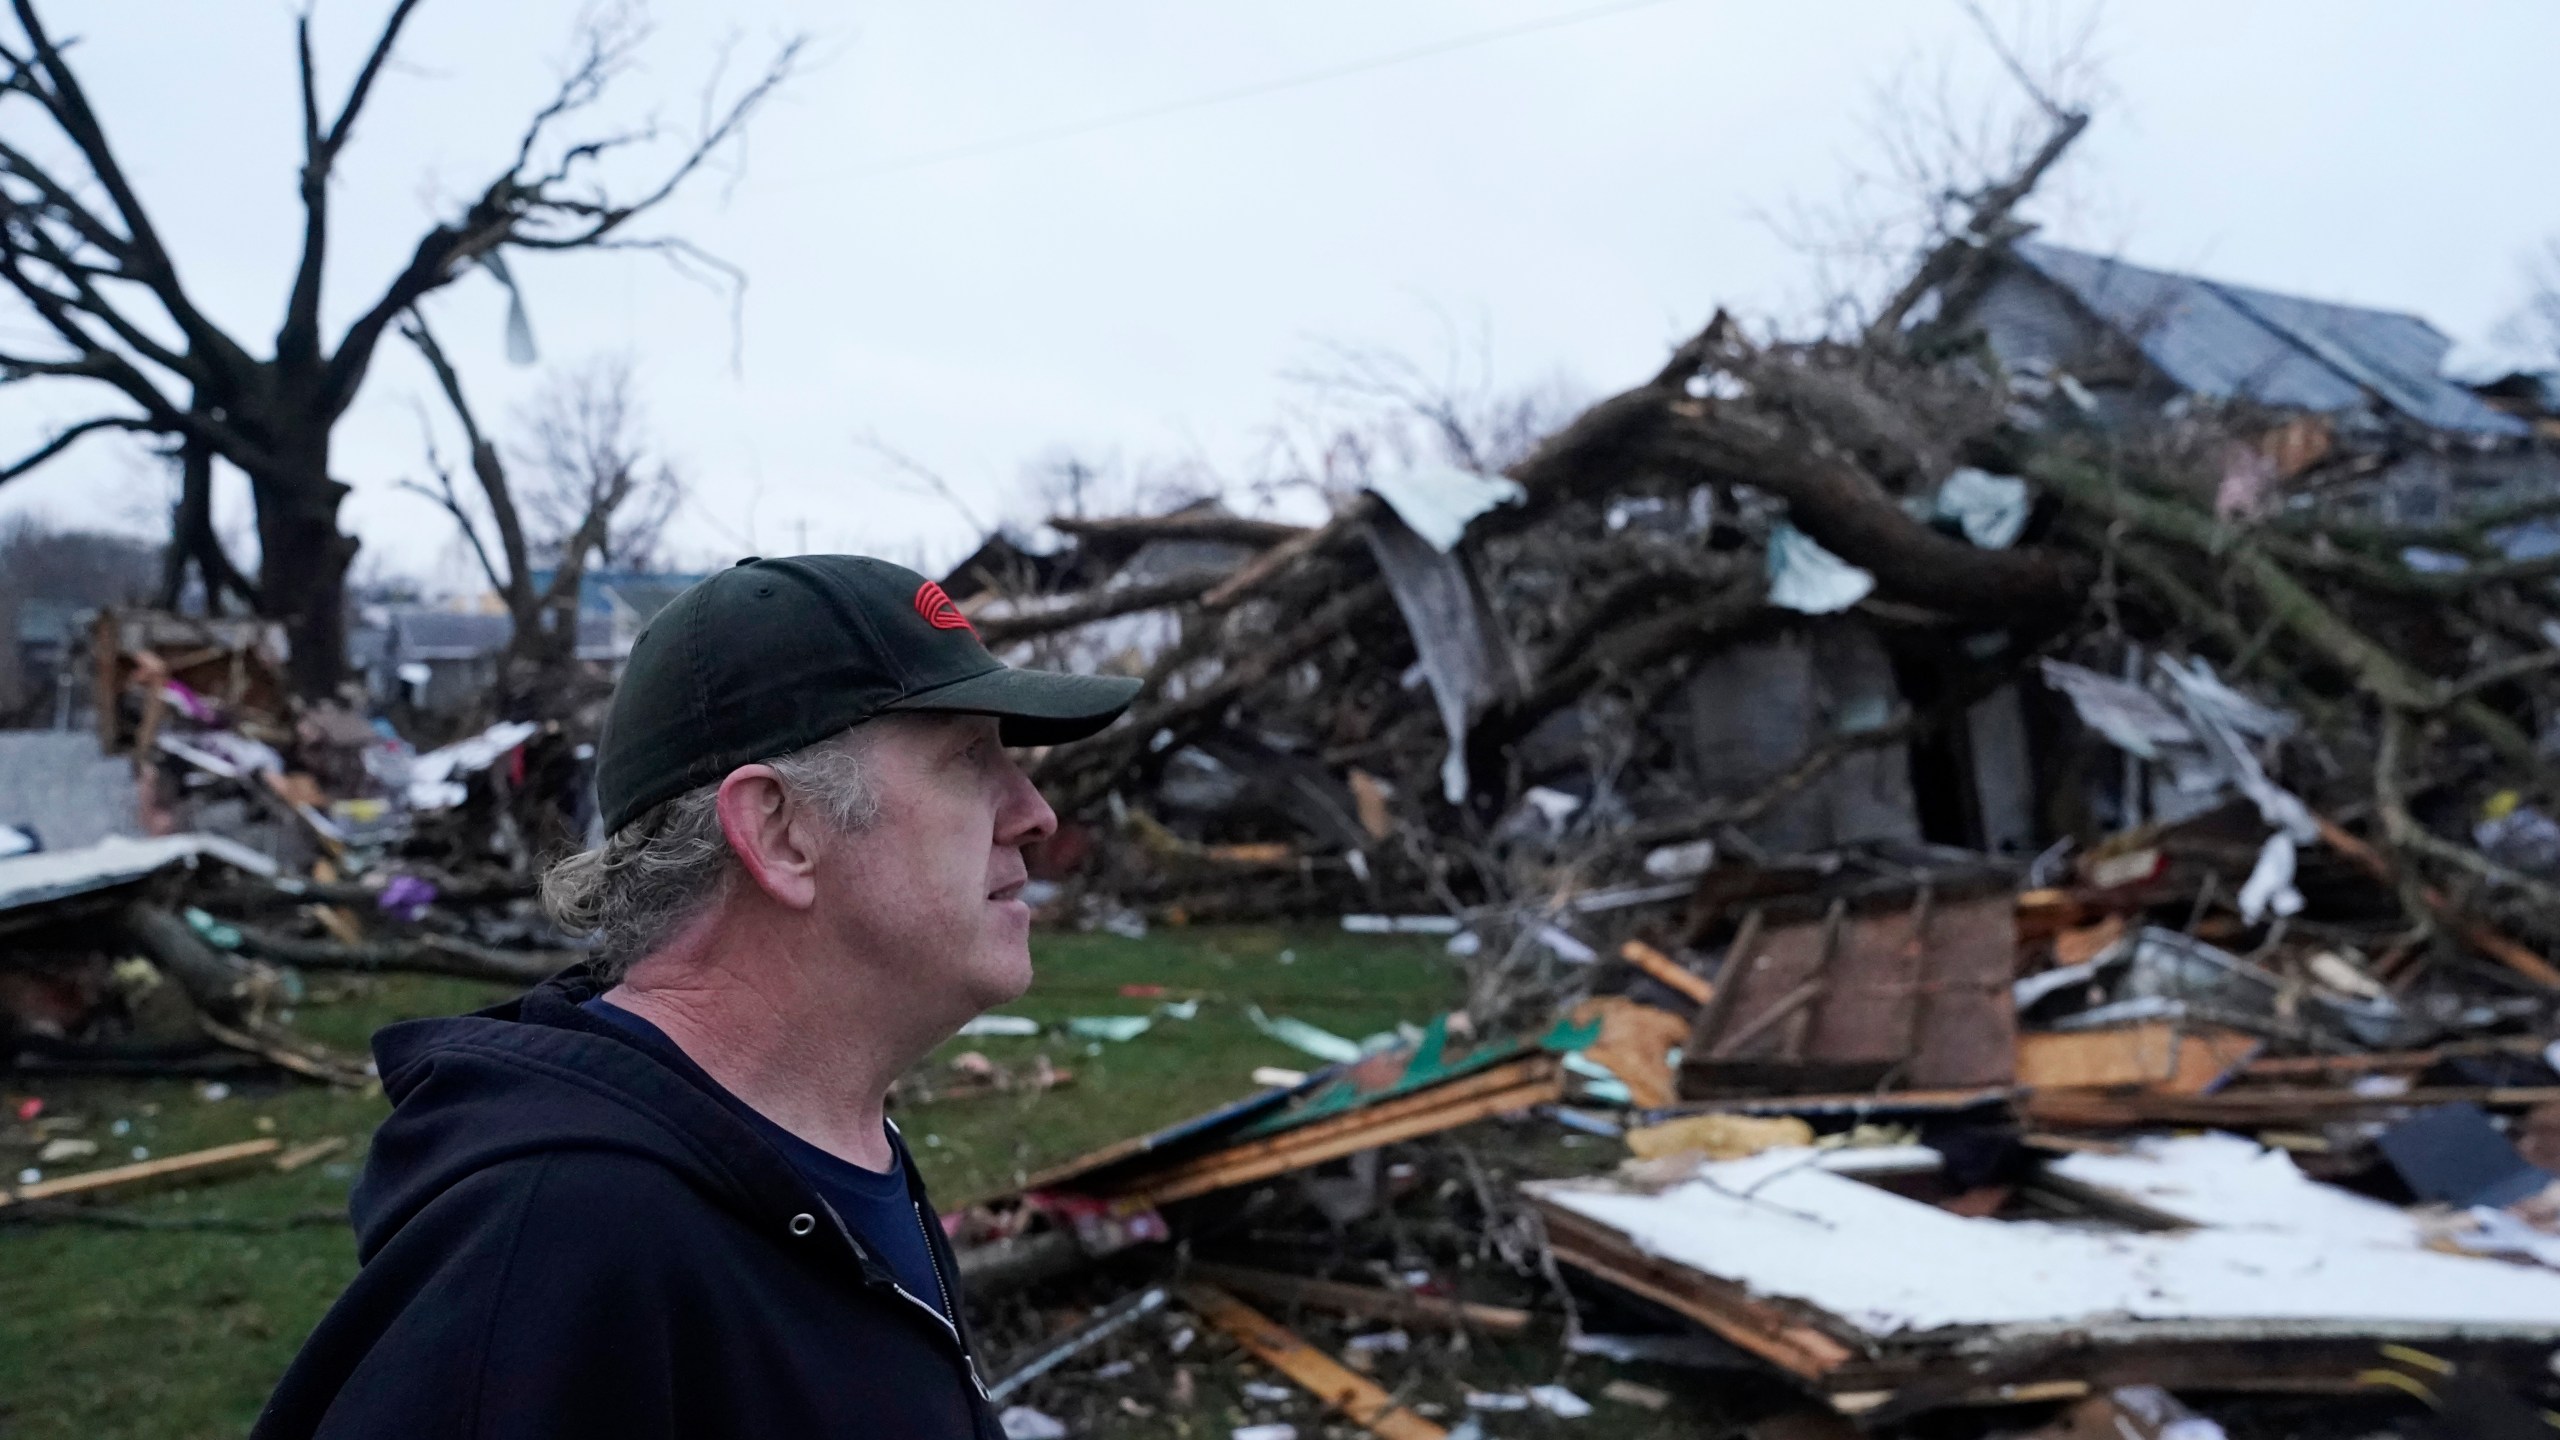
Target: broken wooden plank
x=1328, y=1379
x=2267, y=1106
x=1859, y=1103
x=1515, y=1085
x=1784, y=1008
x=301, y=1155
x=1372, y=1302
x=2323, y=1066
x=2476, y=933
x=2164, y=1056
x=288, y=1052
x=196, y=1163
x=1801, y=1350
x=1667, y=970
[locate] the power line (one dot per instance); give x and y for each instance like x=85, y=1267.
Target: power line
x=1246, y=92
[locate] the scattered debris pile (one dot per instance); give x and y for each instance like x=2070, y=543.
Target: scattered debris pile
x=1990, y=874
x=1443, y=1227
x=284, y=839
x=1907, y=785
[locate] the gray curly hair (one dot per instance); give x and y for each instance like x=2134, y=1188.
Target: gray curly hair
x=657, y=873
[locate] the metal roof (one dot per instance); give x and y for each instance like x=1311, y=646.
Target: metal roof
x=2228, y=341
x=427, y=634
x=57, y=782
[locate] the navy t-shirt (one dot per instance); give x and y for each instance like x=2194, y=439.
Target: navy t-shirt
x=874, y=1203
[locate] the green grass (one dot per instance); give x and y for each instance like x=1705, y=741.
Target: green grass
x=1345, y=984
x=158, y=1335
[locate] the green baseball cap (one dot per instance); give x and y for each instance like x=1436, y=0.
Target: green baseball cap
x=771, y=655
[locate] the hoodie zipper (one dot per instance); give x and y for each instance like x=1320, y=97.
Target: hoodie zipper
x=968, y=1361
x=933, y=1258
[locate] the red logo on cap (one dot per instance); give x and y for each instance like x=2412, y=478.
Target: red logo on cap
x=938, y=611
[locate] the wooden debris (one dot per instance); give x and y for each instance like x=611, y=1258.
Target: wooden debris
x=2083, y=943
x=1336, y=1384
x=1911, y=984
x=1628, y=1392
x=305, y=1154
x=1513, y=1085
x=2249, y=1108
x=1403, y=1307
x=1803, y=1351
x=2321, y=1067
x=195, y=1164
x=2479, y=934
x=287, y=1051
x=1635, y=1044
x=2157, y=1055
x=1667, y=970
x=1369, y=797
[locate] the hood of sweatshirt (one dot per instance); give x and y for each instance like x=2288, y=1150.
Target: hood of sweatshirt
x=539, y=1075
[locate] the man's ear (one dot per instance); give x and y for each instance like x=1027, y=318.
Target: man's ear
x=756, y=816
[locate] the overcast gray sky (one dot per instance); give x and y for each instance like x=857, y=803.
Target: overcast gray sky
x=1583, y=194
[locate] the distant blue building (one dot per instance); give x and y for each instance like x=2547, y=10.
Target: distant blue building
x=442, y=661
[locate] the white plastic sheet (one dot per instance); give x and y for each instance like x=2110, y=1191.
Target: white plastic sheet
x=1806, y=578
x=432, y=782
x=2269, y=889
x=1990, y=509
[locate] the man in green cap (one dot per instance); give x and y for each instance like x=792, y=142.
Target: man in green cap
x=658, y=1195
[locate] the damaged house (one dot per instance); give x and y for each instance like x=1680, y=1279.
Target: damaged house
x=2120, y=338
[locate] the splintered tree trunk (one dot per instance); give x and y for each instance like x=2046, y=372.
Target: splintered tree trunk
x=303, y=564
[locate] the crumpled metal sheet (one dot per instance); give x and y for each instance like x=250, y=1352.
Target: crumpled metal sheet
x=2207, y=733
x=48, y=875
x=1462, y=651
x=2131, y=718
x=2154, y=974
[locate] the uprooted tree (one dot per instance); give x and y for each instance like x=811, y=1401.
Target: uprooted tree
x=82, y=256
x=2426, y=693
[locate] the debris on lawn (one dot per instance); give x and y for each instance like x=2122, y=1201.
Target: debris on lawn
x=90, y=1184
x=1958, y=912
x=1988, y=874
x=274, y=840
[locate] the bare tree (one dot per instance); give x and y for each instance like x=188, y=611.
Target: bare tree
x=79, y=251
x=587, y=494
x=2536, y=325
x=40, y=561
x=589, y=479
x=1947, y=163
x=1363, y=408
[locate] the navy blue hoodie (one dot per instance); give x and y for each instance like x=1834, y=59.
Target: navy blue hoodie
x=563, y=1235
